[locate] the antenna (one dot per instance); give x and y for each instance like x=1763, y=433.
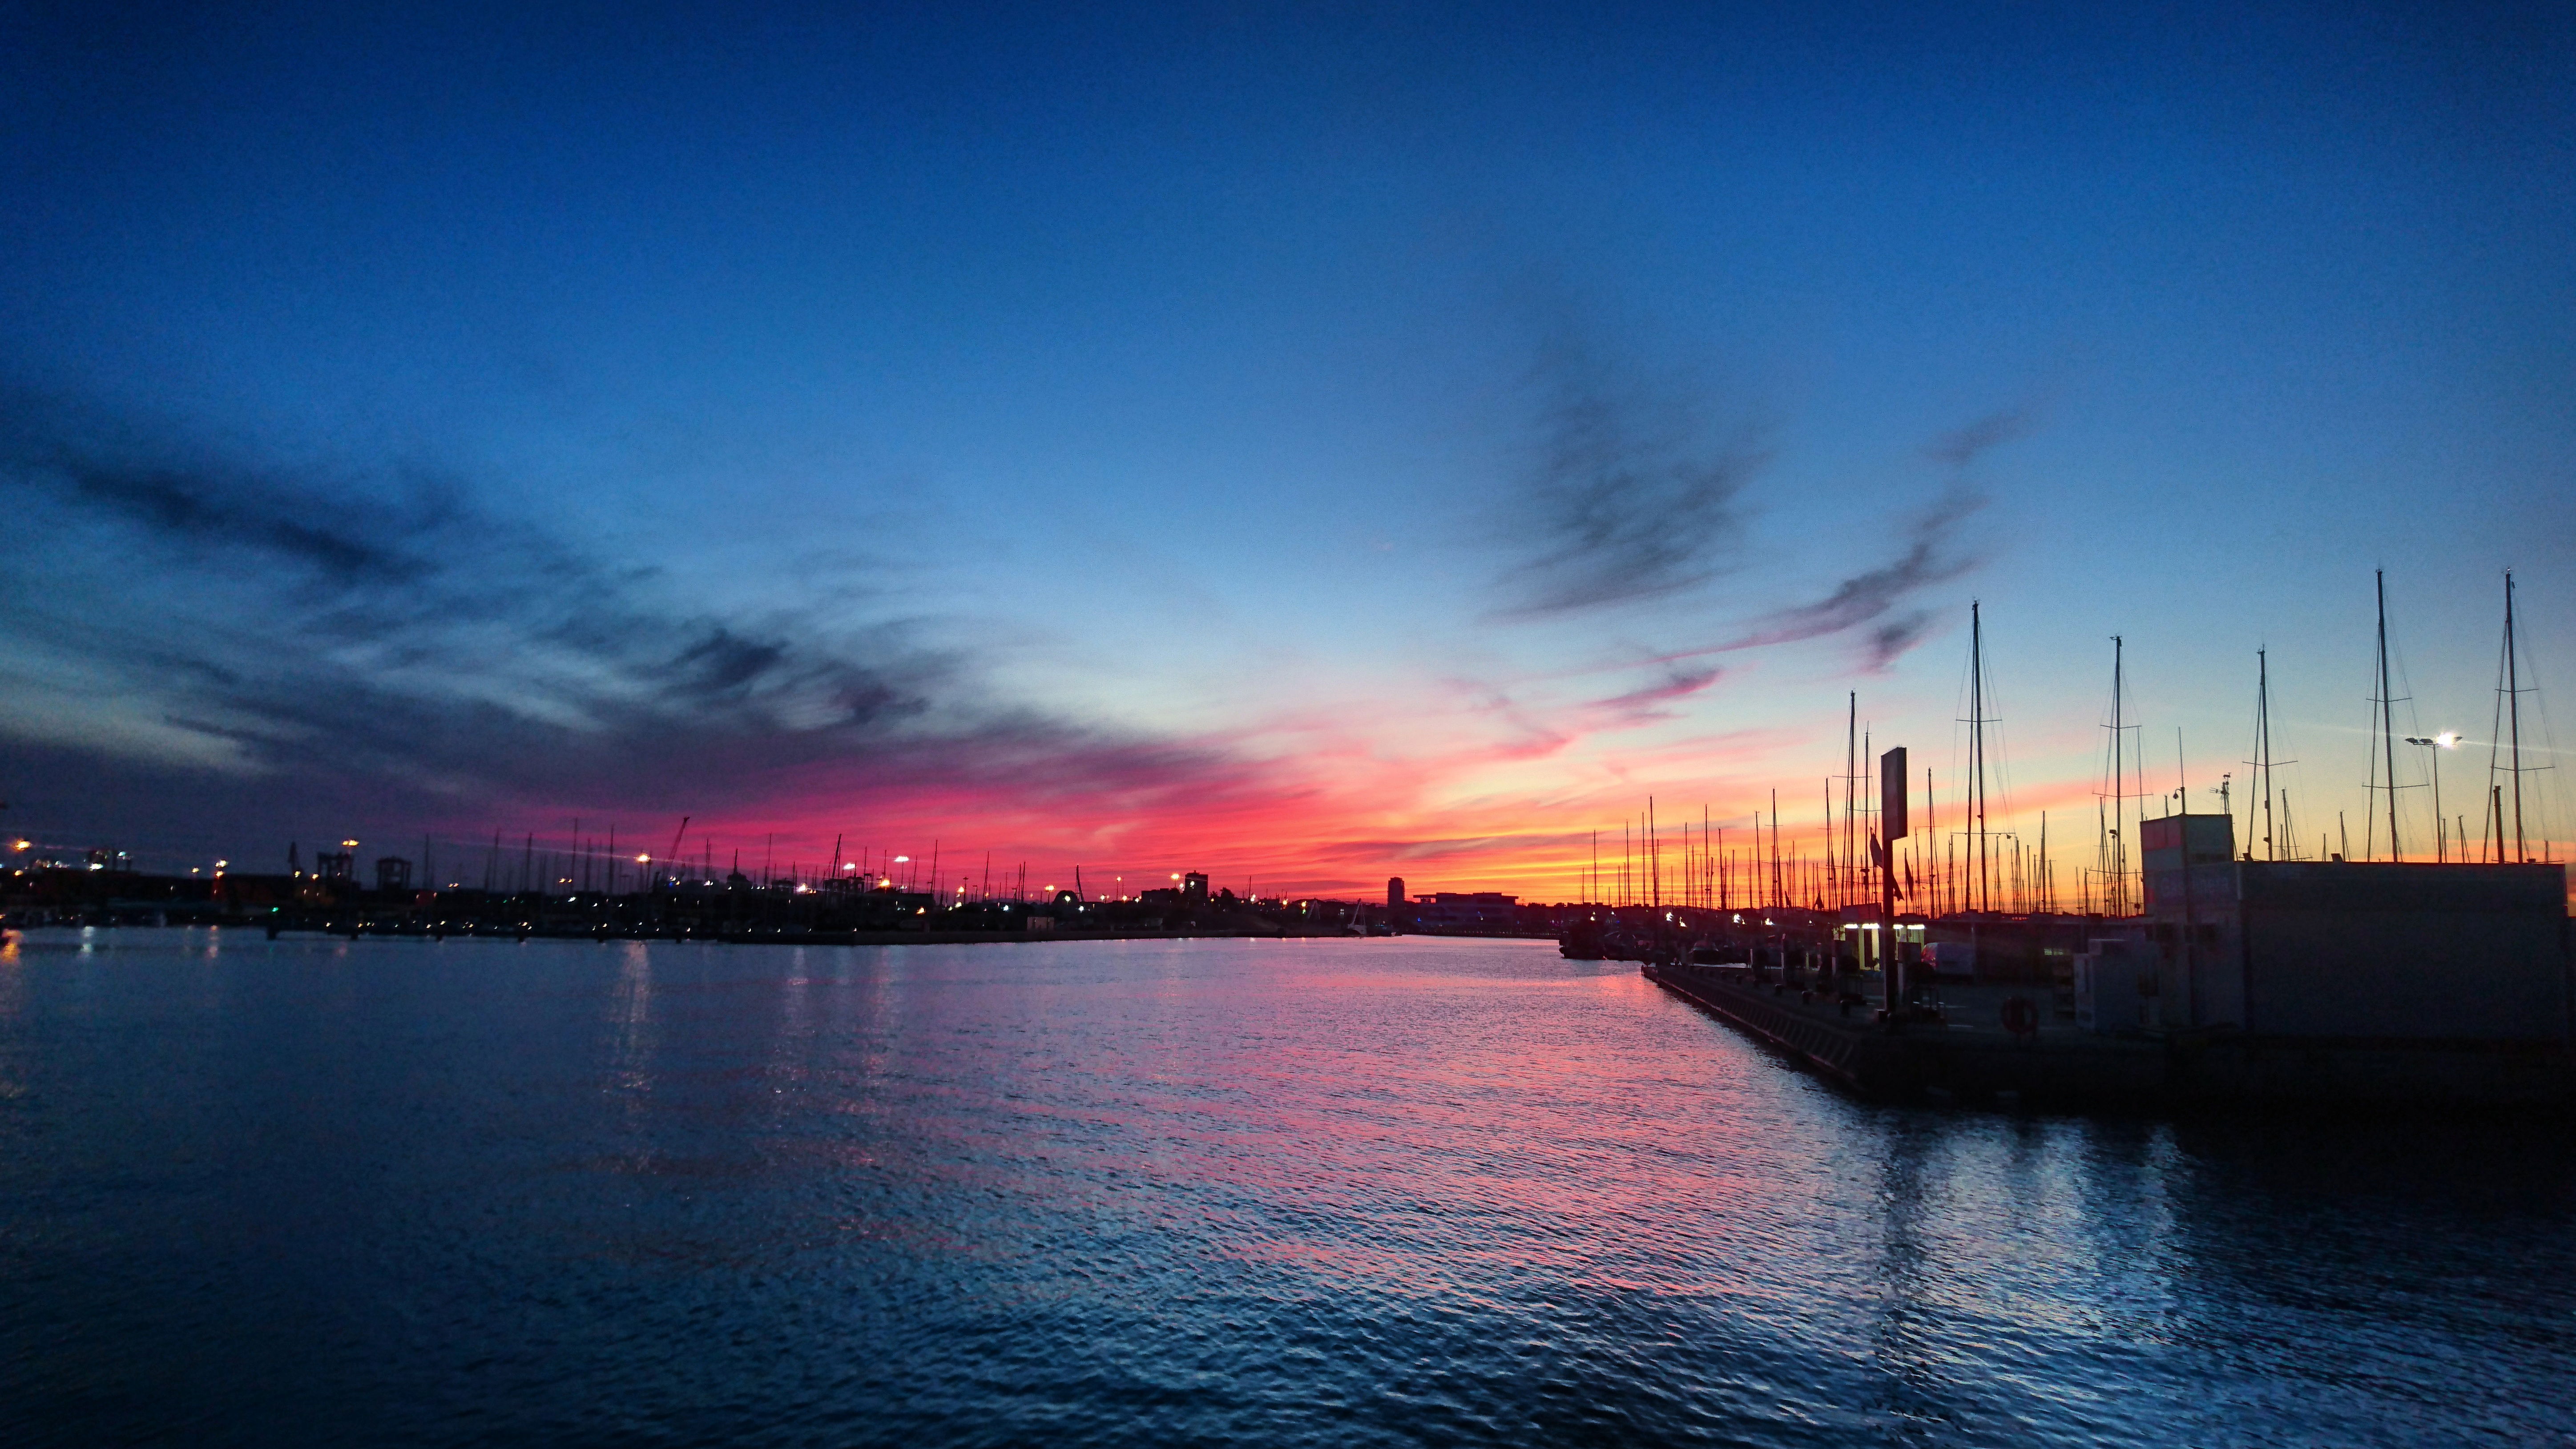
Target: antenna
x=2182, y=781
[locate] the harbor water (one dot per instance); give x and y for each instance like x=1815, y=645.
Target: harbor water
x=1317, y=1192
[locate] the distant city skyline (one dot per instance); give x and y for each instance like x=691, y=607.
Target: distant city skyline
x=1304, y=448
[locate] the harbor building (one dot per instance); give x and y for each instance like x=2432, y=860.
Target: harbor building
x=2356, y=951
x=1456, y=910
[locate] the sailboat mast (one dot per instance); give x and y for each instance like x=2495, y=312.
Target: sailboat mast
x=1776, y=897
x=2119, y=794
x=1984, y=886
x=2387, y=711
x=2101, y=842
x=1851, y=760
x=2513, y=709
x=2263, y=745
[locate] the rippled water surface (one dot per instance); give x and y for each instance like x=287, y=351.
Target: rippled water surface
x=1327, y=1192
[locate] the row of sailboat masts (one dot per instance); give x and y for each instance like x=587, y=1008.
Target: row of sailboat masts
x=1980, y=869
x=2270, y=823
x=1997, y=872
x=1991, y=870
x=585, y=864
x=1701, y=873
x=2504, y=799
x=1934, y=873
x=1845, y=874
x=581, y=864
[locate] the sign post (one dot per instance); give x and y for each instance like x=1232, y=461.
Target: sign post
x=1891, y=829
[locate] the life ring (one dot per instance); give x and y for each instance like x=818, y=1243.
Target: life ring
x=2021, y=1017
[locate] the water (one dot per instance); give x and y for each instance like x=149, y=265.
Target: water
x=1327, y=1192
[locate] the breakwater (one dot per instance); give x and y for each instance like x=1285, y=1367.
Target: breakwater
x=1972, y=1057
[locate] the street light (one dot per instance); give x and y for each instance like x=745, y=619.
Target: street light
x=2446, y=740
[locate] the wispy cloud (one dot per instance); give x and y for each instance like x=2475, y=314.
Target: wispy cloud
x=1959, y=449
x=1869, y=599
x=1876, y=601
x=1628, y=494
x=373, y=640
x=1646, y=702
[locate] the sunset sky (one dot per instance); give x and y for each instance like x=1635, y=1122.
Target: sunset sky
x=1306, y=444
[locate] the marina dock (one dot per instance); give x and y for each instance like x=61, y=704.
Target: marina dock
x=1972, y=1058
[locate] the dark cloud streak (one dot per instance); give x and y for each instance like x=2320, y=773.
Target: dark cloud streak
x=1627, y=498
x=1866, y=598
x=384, y=644
x=1960, y=448
x=1641, y=704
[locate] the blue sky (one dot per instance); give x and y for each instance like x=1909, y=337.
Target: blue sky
x=1324, y=411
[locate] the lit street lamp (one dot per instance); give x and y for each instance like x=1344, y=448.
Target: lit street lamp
x=2446, y=740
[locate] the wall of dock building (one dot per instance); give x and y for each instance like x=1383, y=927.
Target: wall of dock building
x=2456, y=952
x=2355, y=950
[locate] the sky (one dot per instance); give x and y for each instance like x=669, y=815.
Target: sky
x=1305, y=444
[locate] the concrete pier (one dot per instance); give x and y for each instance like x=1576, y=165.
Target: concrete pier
x=1973, y=1058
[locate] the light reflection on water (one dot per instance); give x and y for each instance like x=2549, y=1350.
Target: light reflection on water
x=1313, y=1192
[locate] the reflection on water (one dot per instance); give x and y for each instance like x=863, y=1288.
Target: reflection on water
x=1323, y=1192
x=630, y=1015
